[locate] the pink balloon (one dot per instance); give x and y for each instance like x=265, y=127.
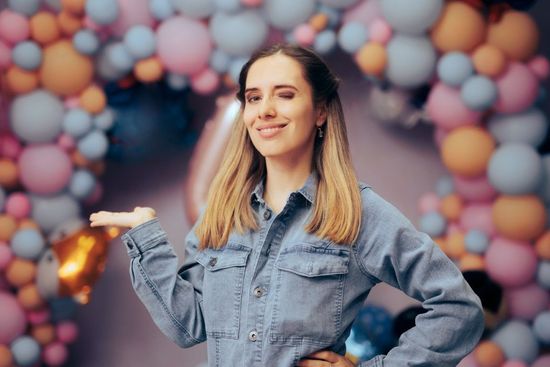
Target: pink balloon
x=18, y=205
x=380, y=31
x=474, y=189
x=518, y=89
x=10, y=146
x=12, y=318
x=44, y=168
x=55, y=354
x=205, y=82
x=67, y=331
x=183, y=45
x=131, y=13
x=446, y=109
x=429, y=202
x=364, y=12
x=468, y=361
x=514, y=363
x=511, y=263
x=540, y=66
x=5, y=56
x=14, y=27
x=542, y=361
x=304, y=34
x=71, y=102
x=252, y=3
x=66, y=142
x=5, y=256
x=478, y=216
x=526, y=302
x=38, y=317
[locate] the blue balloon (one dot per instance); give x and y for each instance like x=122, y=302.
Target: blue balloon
x=25, y=7
x=287, y=14
x=411, y=61
x=517, y=341
x=543, y=274
x=161, y=9
x=219, y=61
x=528, y=127
x=94, y=145
x=325, y=42
x=104, y=64
x=541, y=327
x=28, y=244
x=25, y=351
x=444, y=186
x=476, y=241
x=338, y=4
x=352, y=36
x=102, y=12
x=77, y=122
x=454, y=68
x=194, y=8
x=27, y=55
x=433, y=224
x=411, y=17
x=239, y=34
x=86, y=42
x=516, y=169
x=105, y=119
x=50, y=211
x=140, y=41
x=120, y=58
x=228, y=6
x=82, y=184
x=479, y=93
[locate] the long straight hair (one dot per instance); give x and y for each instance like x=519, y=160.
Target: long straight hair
x=337, y=210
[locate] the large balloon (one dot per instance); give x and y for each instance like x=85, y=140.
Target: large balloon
x=287, y=14
x=239, y=34
x=411, y=17
x=411, y=61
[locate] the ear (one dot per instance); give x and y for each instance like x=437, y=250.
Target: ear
x=321, y=115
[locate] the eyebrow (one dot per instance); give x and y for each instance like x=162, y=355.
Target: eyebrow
x=279, y=86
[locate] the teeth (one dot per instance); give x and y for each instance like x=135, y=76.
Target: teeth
x=269, y=129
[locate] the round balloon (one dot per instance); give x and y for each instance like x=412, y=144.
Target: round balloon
x=411, y=17
x=287, y=14
x=411, y=60
x=238, y=34
x=527, y=127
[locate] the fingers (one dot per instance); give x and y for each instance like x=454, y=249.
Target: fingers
x=313, y=363
x=326, y=355
x=105, y=218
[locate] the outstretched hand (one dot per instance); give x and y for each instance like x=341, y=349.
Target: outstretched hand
x=325, y=358
x=122, y=219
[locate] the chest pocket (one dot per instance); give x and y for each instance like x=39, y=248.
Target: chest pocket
x=309, y=295
x=223, y=288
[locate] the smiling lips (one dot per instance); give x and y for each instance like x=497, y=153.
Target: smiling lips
x=271, y=130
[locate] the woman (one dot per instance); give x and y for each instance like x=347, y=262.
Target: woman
x=290, y=243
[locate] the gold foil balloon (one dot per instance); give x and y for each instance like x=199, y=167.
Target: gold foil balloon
x=74, y=262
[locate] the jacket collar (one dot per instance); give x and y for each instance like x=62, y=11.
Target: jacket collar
x=308, y=190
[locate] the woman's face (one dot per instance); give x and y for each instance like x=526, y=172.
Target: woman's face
x=279, y=113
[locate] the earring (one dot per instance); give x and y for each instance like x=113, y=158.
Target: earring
x=320, y=132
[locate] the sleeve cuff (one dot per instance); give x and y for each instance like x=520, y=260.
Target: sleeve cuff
x=143, y=237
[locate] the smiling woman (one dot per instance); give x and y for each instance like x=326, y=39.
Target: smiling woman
x=290, y=243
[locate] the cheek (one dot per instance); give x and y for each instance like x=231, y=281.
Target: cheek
x=248, y=116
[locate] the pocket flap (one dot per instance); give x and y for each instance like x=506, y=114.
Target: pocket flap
x=312, y=262
x=231, y=255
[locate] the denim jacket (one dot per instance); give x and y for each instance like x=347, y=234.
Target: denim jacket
x=273, y=296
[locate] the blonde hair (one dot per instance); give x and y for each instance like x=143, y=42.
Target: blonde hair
x=337, y=210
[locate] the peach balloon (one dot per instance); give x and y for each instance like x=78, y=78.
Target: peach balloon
x=75, y=7
x=460, y=28
x=64, y=70
x=148, y=70
x=466, y=151
x=489, y=60
x=519, y=217
x=6, y=358
x=29, y=297
x=542, y=246
x=44, y=334
x=68, y=23
x=319, y=21
x=471, y=262
x=372, y=58
x=489, y=354
x=9, y=173
x=8, y=226
x=20, y=272
x=516, y=34
x=93, y=99
x=451, y=206
x=21, y=81
x=44, y=27
x=455, y=246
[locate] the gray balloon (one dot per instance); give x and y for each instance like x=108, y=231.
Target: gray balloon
x=411, y=60
x=238, y=34
x=517, y=341
x=102, y=12
x=411, y=17
x=194, y=8
x=93, y=145
x=25, y=7
x=287, y=14
x=27, y=55
x=528, y=127
x=37, y=117
x=50, y=211
x=338, y=4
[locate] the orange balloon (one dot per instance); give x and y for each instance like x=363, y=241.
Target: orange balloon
x=471, y=262
x=520, y=217
x=460, y=28
x=489, y=60
x=489, y=354
x=9, y=173
x=8, y=226
x=516, y=34
x=451, y=206
x=20, y=272
x=6, y=358
x=44, y=334
x=75, y=7
x=542, y=246
x=93, y=99
x=455, y=245
x=44, y=27
x=372, y=58
x=68, y=23
x=319, y=21
x=148, y=70
x=29, y=297
x=78, y=159
x=466, y=151
x=21, y=81
x=64, y=70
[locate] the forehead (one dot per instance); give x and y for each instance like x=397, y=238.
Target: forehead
x=274, y=70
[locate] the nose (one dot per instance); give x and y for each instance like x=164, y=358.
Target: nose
x=267, y=109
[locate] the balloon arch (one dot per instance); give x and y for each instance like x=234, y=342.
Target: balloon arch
x=475, y=59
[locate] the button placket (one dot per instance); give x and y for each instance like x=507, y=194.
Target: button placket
x=258, y=292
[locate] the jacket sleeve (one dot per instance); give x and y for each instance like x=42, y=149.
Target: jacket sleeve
x=173, y=297
x=391, y=250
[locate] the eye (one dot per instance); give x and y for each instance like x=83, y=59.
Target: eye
x=252, y=99
x=287, y=95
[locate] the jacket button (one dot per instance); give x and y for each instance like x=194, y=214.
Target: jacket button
x=213, y=261
x=267, y=214
x=253, y=336
x=258, y=292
